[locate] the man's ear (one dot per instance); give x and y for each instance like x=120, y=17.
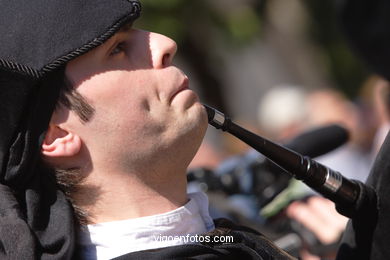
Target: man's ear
x=60, y=143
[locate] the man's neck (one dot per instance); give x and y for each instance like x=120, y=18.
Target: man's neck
x=127, y=196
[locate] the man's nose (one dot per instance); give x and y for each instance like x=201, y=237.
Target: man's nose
x=163, y=49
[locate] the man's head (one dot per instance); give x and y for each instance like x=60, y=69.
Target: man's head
x=121, y=111
x=35, y=47
x=139, y=115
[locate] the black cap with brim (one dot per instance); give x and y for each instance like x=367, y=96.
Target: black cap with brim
x=37, y=39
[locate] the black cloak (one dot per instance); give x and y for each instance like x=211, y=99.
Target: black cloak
x=37, y=39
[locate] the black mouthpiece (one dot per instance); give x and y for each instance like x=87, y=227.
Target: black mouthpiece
x=216, y=118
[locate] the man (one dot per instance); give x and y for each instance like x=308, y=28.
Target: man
x=86, y=95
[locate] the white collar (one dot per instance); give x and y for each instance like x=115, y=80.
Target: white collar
x=111, y=239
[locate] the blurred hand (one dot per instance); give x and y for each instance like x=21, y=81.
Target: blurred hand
x=318, y=215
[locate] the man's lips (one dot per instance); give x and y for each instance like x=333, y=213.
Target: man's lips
x=182, y=87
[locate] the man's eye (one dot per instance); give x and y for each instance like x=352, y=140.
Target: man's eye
x=118, y=49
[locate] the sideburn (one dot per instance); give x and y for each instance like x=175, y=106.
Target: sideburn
x=73, y=100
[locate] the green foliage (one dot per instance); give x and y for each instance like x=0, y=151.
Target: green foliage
x=178, y=18
x=159, y=16
x=243, y=24
x=163, y=4
x=344, y=66
x=198, y=26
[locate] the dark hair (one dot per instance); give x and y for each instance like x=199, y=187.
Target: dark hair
x=70, y=98
x=69, y=180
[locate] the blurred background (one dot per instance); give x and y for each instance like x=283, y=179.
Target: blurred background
x=278, y=68
x=240, y=48
x=234, y=51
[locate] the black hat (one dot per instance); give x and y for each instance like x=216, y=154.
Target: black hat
x=367, y=27
x=37, y=39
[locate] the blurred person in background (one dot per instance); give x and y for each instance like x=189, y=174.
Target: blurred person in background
x=284, y=112
x=381, y=100
x=319, y=108
x=251, y=183
x=329, y=106
x=366, y=24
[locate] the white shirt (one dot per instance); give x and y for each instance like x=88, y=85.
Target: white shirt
x=112, y=239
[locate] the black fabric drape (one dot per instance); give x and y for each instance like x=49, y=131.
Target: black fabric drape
x=37, y=39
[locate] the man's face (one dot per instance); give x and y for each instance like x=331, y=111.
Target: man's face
x=145, y=115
